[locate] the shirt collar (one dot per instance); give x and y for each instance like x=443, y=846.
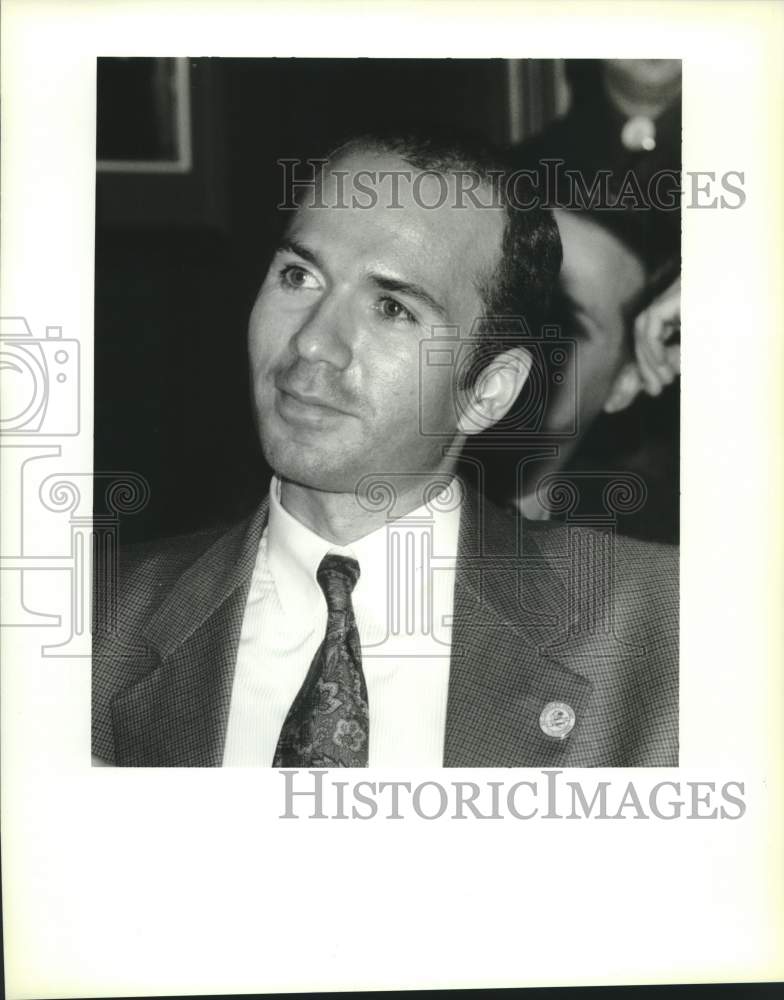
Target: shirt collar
x=294, y=553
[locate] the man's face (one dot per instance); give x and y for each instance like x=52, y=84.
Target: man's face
x=336, y=329
x=599, y=278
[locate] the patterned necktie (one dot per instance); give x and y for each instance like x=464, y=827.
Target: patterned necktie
x=327, y=724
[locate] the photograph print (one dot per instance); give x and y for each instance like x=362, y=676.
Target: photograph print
x=394, y=346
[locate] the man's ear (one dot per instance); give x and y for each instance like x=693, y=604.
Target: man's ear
x=496, y=388
x=625, y=389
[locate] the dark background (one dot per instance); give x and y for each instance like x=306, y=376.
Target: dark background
x=179, y=259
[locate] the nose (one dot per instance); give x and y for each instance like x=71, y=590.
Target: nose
x=325, y=332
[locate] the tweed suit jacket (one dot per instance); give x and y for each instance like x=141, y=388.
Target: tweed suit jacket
x=543, y=613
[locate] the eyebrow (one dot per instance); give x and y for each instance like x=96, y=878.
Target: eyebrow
x=409, y=288
x=293, y=246
x=382, y=281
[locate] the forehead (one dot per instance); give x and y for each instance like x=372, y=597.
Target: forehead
x=599, y=271
x=383, y=214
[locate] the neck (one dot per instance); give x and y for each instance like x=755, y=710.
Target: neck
x=342, y=518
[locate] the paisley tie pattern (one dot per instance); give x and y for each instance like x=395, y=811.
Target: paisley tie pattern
x=327, y=724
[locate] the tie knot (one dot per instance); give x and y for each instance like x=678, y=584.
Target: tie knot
x=337, y=576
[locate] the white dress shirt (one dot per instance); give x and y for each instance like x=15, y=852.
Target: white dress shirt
x=403, y=608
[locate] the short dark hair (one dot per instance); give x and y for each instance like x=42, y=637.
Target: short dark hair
x=525, y=276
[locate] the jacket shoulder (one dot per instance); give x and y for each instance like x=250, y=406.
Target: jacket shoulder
x=126, y=596
x=143, y=575
x=651, y=564
x=623, y=617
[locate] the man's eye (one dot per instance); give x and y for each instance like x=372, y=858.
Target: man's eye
x=392, y=309
x=294, y=276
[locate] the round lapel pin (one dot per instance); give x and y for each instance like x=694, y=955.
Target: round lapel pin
x=557, y=719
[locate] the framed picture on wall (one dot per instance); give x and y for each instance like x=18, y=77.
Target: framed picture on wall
x=158, y=143
x=144, y=116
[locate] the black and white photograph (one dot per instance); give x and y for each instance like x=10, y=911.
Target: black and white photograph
x=425, y=367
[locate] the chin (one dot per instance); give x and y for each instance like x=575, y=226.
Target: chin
x=312, y=467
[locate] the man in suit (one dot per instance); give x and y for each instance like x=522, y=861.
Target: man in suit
x=376, y=610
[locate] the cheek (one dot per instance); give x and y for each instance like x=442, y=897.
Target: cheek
x=266, y=332
x=389, y=376
x=424, y=402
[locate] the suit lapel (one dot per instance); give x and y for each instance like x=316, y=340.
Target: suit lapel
x=177, y=715
x=507, y=599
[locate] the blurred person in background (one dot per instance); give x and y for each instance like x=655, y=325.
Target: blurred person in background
x=619, y=295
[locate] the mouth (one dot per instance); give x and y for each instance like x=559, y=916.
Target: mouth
x=299, y=407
